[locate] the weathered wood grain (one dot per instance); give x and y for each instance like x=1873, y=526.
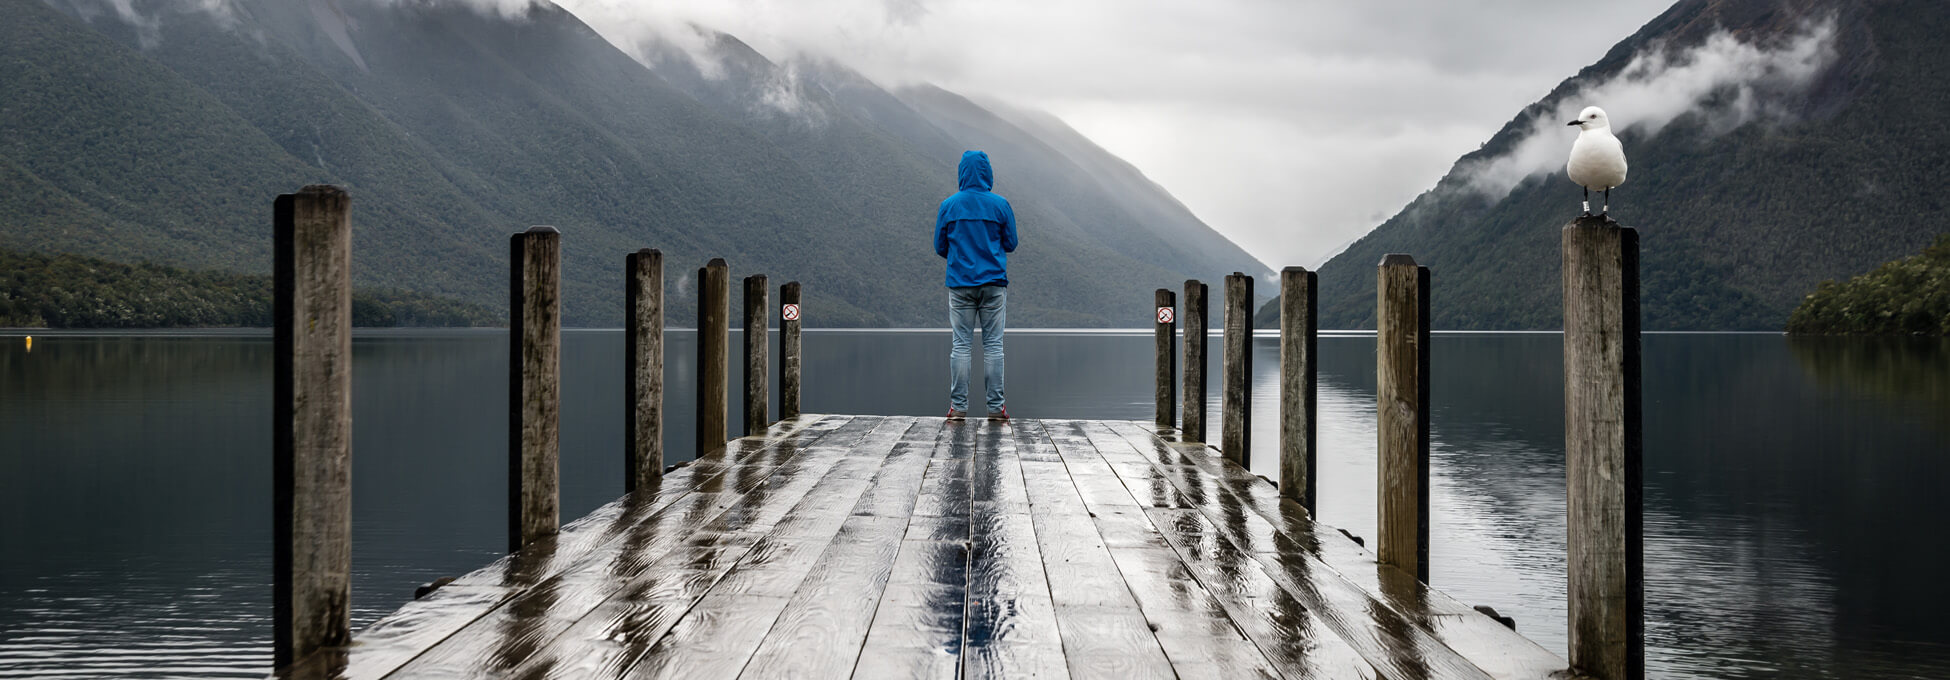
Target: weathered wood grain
x=1602, y=447
x=713, y=355
x=643, y=354
x=1299, y=370
x=1277, y=530
x=1011, y=629
x=1402, y=402
x=727, y=629
x=701, y=527
x=757, y=339
x=1277, y=629
x=1165, y=394
x=915, y=547
x=789, y=353
x=1192, y=317
x=1236, y=400
x=1105, y=634
x=534, y=386
x=311, y=421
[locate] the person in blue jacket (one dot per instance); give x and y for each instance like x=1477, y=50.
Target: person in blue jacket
x=975, y=231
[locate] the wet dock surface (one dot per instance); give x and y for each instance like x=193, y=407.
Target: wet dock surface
x=901, y=547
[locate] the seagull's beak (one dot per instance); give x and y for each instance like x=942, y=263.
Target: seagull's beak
x=1575, y=123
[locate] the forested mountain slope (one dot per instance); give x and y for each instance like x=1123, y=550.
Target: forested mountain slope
x=165, y=138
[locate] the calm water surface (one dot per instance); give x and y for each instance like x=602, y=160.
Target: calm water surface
x=1795, y=491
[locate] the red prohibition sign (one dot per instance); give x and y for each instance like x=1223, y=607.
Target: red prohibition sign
x=789, y=312
x=1165, y=315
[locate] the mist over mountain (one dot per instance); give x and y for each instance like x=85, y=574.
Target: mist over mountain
x=1773, y=145
x=160, y=131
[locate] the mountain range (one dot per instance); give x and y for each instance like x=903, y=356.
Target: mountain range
x=1821, y=156
x=160, y=131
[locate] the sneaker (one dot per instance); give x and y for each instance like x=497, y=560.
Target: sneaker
x=999, y=414
x=956, y=415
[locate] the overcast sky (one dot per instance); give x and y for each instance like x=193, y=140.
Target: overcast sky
x=1291, y=127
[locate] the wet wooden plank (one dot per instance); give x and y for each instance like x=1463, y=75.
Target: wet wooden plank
x=1281, y=536
x=396, y=639
x=1497, y=650
x=507, y=638
x=1216, y=544
x=1228, y=626
x=615, y=635
x=913, y=547
x=727, y=631
x=1104, y=633
x=1011, y=629
x=820, y=632
x=917, y=630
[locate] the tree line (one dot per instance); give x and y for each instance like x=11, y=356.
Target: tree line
x=40, y=290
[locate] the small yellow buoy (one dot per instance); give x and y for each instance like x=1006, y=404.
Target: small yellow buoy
x=30, y=343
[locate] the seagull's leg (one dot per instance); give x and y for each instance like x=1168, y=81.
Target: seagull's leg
x=1607, y=210
x=1587, y=201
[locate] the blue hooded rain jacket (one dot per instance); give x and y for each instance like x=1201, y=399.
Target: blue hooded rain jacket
x=976, y=229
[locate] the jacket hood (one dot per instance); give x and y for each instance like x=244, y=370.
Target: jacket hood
x=975, y=173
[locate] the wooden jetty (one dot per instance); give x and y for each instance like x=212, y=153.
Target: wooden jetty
x=863, y=546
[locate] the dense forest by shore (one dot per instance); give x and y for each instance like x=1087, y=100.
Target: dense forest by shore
x=1910, y=296
x=70, y=291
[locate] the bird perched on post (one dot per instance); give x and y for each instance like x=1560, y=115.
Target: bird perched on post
x=1597, y=159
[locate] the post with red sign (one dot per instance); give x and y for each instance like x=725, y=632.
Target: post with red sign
x=789, y=351
x=1167, y=331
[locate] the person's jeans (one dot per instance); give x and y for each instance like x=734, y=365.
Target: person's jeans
x=988, y=305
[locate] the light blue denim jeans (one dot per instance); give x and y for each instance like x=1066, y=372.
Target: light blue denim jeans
x=989, y=306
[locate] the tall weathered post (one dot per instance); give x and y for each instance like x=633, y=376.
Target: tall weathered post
x=1603, y=445
x=311, y=422
x=534, y=386
x=1166, y=393
x=789, y=314
x=1192, y=422
x=757, y=336
x=643, y=354
x=713, y=355
x=1402, y=396
x=1299, y=336
x=1236, y=404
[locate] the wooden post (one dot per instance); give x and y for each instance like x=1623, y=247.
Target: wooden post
x=1602, y=446
x=1192, y=315
x=1298, y=339
x=789, y=350
x=758, y=415
x=312, y=422
x=534, y=386
x=1166, y=393
x=1402, y=395
x=713, y=355
x=1236, y=404
x=643, y=354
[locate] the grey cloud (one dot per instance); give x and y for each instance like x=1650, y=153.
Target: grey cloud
x=1288, y=126
x=1729, y=81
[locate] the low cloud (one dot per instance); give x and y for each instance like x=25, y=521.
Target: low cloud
x=1728, y=82
x=147, y=17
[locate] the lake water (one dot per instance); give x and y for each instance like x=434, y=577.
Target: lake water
x=1795, y=490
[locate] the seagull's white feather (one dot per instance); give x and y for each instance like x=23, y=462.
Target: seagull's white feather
x=1597, y=159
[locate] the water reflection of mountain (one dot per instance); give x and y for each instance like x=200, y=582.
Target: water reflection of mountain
x=1906, y=371
x=1785, y=518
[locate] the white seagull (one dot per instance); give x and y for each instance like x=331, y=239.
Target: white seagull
x=1597, y=159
